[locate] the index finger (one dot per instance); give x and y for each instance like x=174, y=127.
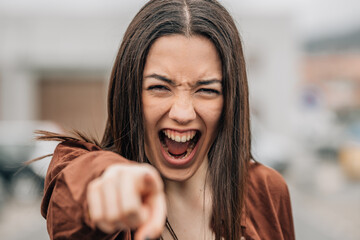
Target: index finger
x=156, y=203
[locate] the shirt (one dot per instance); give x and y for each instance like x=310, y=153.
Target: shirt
x=267, y=213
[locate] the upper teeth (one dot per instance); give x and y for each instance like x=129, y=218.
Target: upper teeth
x=179, y=136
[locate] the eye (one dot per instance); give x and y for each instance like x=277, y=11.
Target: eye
x=158, y=88
x=209, y=91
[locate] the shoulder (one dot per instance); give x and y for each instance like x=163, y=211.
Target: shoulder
x=75, y=145
x=71, y=149
x=267, y=205
x=84, y=156
x=266, y=187
x=265, y=178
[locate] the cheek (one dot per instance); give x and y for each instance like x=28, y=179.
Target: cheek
x=149, y=110
x=153, y=111
x=152, y=114
x=210, y=113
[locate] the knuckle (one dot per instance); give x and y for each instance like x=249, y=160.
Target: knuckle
x=132, y=219
x=151, y=170
x=112, y=217
x=106, y=227
x=93, y=185
x=158, y=229
x=113, y=170
x=129, y=212
x=149, y=167
x=155, y=177
x=107, y=181
x=95, y=217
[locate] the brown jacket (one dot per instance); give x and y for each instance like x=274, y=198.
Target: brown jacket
x=75, y=164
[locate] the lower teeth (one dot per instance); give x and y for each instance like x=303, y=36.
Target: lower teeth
x=188, y=151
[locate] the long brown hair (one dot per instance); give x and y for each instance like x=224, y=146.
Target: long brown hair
x=229, y=155
x=230, y=152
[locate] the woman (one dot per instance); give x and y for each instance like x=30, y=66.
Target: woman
x=176, y=148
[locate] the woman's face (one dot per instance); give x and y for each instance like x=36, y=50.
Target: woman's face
x=182, y=103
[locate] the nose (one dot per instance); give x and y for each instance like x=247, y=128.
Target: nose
x=182, y=110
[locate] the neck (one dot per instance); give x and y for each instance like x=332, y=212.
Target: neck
x=189, y=204
x=191, y=191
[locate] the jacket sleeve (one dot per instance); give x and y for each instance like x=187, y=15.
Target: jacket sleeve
x=73, y=166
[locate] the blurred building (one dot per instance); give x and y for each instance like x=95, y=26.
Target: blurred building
x=332, y=66
x=331, y=84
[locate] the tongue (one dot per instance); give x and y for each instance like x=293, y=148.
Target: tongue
x=176, y=148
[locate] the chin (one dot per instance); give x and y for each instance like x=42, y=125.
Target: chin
x=176, y=175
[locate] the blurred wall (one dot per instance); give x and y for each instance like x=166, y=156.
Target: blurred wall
x=74, y=102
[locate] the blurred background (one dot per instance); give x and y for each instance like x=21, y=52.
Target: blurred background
x=303, y=60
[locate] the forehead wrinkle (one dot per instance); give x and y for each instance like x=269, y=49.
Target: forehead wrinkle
x=202, y=76
x=197, y=83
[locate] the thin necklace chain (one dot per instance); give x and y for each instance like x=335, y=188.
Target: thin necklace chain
x=171, y=231
x=167, y=223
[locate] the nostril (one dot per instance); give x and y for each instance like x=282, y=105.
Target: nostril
x=182, y=113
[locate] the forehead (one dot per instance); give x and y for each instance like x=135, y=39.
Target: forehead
x=178, y=56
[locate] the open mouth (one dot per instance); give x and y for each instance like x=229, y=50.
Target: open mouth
x=179, y=145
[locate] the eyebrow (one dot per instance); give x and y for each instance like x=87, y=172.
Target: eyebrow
x=161, y=78
x=171, y=82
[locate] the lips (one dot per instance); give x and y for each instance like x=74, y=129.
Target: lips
x=178, y=148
